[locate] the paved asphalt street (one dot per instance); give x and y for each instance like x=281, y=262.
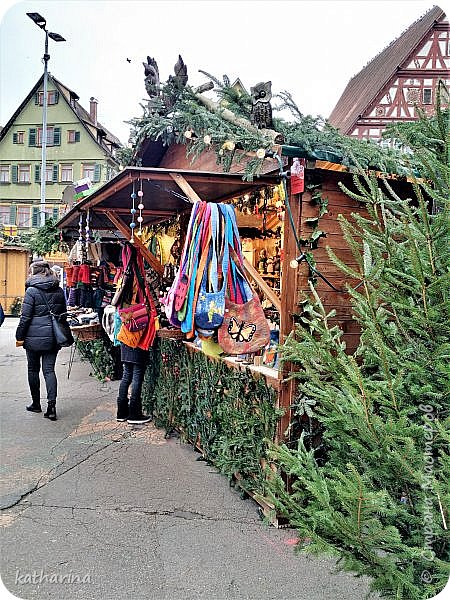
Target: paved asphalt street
x=94, y=509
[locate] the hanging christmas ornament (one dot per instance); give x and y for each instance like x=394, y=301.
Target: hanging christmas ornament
x=80, y=227
x=87, y=228
x=207, y=139
x=188, y=134
x=133, y=212
x=260, y=153
x=140, y=208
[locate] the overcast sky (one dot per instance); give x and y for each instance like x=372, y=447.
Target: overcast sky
x=309, y=48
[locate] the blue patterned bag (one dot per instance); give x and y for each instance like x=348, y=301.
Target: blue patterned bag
x=210, y=308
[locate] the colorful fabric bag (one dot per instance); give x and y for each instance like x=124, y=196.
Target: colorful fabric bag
x=129, y=338
x=135, y=317
x=175, y=297
x=245, y=328
x=210, y=306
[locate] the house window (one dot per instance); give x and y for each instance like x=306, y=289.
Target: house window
x=427, y=95
x=66, y=173
x=73, y=136
x=48, y=173
x=24, y=174
x=4, y=215
x=52, y=97
x=23, y=216
x=50, y=131
x=4, y=174
x=18, y=137
x=53, y=136
x=88, y=172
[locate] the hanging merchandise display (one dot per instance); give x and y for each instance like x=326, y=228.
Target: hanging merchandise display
x=210, y=308
x=298, y=175
x=136, y=308
x=211, y=283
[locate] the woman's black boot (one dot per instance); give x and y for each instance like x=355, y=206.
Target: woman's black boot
x=34, y=407
x=51, y=411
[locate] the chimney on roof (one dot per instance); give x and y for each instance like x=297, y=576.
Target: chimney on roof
x=93, y=110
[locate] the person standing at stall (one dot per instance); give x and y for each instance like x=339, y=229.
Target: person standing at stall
x=35, y=333
x=135, y=362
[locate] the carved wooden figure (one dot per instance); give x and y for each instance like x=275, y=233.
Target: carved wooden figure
x=151, y=73
x=261, y=114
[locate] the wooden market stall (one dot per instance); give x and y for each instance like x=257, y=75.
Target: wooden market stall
x=230, y=407
x=169, y=190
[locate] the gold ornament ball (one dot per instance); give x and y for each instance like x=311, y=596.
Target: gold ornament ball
x=188, y=134
x=260, y=153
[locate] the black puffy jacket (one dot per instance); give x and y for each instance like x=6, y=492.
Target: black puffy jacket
x=35, y=325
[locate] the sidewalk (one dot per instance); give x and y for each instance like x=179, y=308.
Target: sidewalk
x=94, y=509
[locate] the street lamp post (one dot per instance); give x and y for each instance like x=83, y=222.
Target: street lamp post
x=41, y=23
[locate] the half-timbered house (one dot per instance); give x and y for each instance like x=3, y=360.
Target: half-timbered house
x=400, y=79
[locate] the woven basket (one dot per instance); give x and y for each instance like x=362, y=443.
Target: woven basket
x=86, y=333
x=174, y=334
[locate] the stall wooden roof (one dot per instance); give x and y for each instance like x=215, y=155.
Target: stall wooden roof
x=166, y=192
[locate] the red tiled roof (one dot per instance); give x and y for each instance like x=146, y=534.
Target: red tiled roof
x=362, y=89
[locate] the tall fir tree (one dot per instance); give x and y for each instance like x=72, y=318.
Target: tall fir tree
x=379, y=501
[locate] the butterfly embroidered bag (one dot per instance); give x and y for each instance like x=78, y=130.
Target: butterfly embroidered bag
x=245, y=328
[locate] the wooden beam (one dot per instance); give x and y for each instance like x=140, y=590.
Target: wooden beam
x=125, y=231
x=268, y=291
x=117, y=210
x=187, y=189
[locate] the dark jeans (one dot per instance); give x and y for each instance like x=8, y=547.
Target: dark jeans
x=48, y=370
x=132, y=374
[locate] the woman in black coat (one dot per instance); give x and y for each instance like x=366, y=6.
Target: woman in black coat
x=35, y=333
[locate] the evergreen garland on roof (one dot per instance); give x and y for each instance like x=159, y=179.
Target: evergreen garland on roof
x=178, y=115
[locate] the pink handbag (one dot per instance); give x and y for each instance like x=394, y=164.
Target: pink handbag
x=135, y=317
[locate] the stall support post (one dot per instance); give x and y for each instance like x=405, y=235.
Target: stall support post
x=289, y=306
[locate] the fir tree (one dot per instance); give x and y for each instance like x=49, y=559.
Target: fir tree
x=379, y=502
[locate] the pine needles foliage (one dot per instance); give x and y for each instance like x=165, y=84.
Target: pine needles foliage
x=228, y=414
x=379, y=500
x=177, y=111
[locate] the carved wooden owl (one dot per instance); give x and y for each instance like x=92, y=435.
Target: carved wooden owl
x=261, y=114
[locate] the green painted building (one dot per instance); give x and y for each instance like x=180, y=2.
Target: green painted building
x=78, y=147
